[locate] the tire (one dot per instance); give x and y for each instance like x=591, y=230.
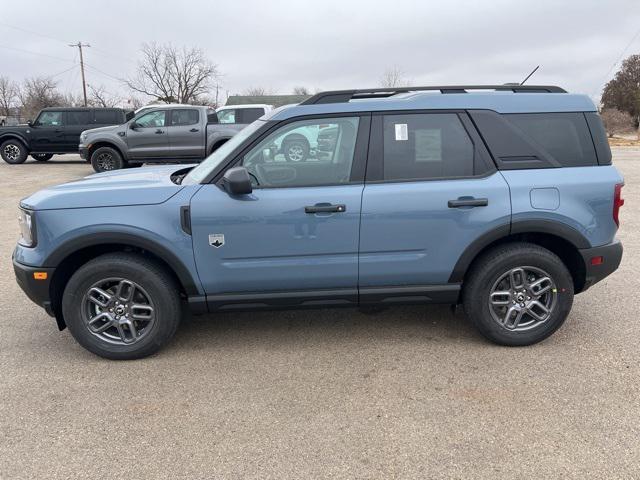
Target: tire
x=497, y=271
x=295, y=150
x=42, y=157
x=13, y=151
x=153, y=305
x=105, y=159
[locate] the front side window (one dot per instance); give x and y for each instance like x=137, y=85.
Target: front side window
x=50, y=119
x=305, y=153
x=249, y=115
x=227, y=116
x=78, y=117
x=426, y=146
x=184, y=117
x=152, y=119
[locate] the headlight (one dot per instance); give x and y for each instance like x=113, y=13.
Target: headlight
x=27, y=228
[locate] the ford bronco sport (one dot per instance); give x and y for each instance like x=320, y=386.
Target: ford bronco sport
x=501, y=198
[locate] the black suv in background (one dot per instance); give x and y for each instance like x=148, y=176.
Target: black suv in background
x=55, y=130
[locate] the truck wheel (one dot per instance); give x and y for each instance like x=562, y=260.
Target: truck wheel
x=42, y=157
x=13, y=151
x=121, y=306
x=105, y=159
x=295, y=150
x=518, y=294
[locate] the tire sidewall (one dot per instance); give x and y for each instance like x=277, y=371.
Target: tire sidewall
x=21, y=147
x=118, y=162
x=477, y=298
x=167, y=315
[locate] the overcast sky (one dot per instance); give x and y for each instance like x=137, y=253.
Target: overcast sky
x=328, y=44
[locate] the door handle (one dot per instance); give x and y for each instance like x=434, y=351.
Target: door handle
x=194, y=130
x=325, y=208
x=159, y=131
x=468, y=202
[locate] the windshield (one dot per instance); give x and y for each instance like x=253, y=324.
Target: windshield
x=199, y=173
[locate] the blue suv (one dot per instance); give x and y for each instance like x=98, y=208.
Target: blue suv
x=501, y=198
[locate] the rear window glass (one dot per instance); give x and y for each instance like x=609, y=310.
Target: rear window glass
x=107, y=117
x=78, y=117
x=564, y=136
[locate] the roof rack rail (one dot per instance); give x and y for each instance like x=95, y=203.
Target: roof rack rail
x=342, y=96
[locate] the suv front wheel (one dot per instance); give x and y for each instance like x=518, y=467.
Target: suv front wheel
x=121, y=306
x=13, y=152
x=518, y=294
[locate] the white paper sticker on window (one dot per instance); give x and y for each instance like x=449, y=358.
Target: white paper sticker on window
x=402, y=133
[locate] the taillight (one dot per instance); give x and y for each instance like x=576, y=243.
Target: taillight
x=618, y=201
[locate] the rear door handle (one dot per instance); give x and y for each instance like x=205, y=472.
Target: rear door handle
x=159, y=131
x=468, y=202
x=325, y=208
x=194, y=130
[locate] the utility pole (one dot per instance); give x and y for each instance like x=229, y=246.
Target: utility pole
x=84, y=84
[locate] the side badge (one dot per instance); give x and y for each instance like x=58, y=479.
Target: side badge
x=216, y=239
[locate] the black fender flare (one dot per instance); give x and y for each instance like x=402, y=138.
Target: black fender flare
x=16, y=136
x=92, y=239
x=551, y=227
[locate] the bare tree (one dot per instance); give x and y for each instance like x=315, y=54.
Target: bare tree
x=37, y=93
x=393, y=77
x=301, y=91
x=616, y=121
x=258, y=91
x=99, y=97
x=8, y=96
x=169, y=74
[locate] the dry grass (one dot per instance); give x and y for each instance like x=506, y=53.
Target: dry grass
x=623, y=142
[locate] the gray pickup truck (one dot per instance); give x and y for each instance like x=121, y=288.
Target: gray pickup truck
x=164, y=134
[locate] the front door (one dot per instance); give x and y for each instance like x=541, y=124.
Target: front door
x=148, y=137
x=295, y=238
x=48, y=132
x=186, y=137
x=431, y=191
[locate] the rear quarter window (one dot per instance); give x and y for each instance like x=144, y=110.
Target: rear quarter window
x=107, y=117
x=563, y=136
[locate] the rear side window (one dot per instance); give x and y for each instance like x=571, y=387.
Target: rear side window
x=78, y=117
x=563, y=136
x=184, y=117
x=250, y=115
x=107, y=117
x=426, y=146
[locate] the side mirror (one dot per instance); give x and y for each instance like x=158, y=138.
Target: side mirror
x=30, y=123
x=133, y=125
x=236, y=181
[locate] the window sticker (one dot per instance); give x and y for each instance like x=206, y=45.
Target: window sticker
x=402, y=132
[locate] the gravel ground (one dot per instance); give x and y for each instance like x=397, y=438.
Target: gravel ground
x=413, y=392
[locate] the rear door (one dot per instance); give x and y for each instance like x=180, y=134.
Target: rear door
x=148, y=138
x=76, y=122
x=431, y=190
x=186, y=136
x=47, y=133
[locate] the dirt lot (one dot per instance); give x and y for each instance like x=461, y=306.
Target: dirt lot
x=410, y=393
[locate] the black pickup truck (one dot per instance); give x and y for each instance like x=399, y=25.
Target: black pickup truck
x=55, y=130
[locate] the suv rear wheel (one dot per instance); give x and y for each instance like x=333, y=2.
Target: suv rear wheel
x=105, y=159
x=518, y=294
x=121, y=306
x=13, y=151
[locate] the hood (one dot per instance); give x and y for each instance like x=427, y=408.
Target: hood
x=110, y=128
x=142, y=186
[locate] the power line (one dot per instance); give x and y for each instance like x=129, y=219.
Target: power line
x=619, y=58
x=36, y=53
x=32, y=32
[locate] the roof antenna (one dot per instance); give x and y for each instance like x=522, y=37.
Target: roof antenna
x=529, y=76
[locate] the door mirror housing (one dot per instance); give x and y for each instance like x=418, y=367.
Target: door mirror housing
x=30, y=123
x=236, y=181
x=133, y=125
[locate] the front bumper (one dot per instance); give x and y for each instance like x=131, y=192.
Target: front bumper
x=36, y=290
x=601, y=261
